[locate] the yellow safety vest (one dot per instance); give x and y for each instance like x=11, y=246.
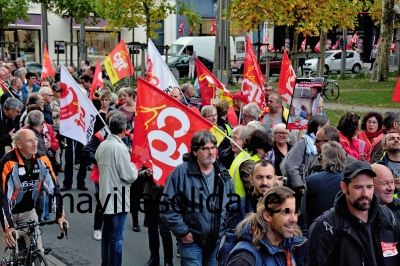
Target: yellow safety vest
x=235, y=173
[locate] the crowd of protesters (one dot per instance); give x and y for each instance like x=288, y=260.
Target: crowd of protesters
x=326, y=195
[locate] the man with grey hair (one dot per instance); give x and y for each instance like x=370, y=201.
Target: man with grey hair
x=48, y=97
x=13, y=91
x=391, y=123
x=322, y=188
x=209, y=112
x=251, y=112
x=9, y=113
x=21, y=73
x=7, y=73
x=198, y=231
x=277, y=113
x=391, y=144
x=117, y=172
x=239, y=136
x=35, y=121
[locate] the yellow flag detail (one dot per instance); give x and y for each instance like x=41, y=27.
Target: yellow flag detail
x=218, y=134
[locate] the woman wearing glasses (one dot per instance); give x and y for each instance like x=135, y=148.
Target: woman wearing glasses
x=281, y=147
x=371, y=126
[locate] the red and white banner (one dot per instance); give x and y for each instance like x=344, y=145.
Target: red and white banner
x=354, y=40
x=212, y=90
x=262, y=48
x=182, y=26
x=316, y=48
x=213, y=28
x=157, y=71
x=253, y=80
x=303, y=45
x=163, y=130
x=287, y=79
x=97, y=84
x=336, y=45
x=47, y=68
x=77, y=113
x=393, y=46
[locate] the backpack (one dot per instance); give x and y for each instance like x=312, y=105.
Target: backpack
x=230, y=243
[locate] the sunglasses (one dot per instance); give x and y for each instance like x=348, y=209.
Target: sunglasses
x=56, y=91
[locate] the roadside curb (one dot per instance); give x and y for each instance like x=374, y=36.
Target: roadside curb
x=54, y=261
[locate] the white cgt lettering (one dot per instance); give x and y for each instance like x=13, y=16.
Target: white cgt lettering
x=253, y=91
x=165, y=156
x=119, y=62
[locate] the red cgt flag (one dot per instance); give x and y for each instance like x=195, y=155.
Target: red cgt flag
x=287, y=79
x=396, y=93
x=303, y=44
x=163, y=130
x=97, y=85
x=212, y=90
x=316, y=48
x=47, y=68
x=118, y=63
x=253, y=79
x=182, y=26
x=213, y=29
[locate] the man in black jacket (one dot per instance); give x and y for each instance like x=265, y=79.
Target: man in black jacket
x=357, y=230
x=196, y=194
x=10, y=112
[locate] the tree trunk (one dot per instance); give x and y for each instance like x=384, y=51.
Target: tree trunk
x=216, y=53
x=322, y=50
x=147, y=14
x=380, y=70
x=295, y=44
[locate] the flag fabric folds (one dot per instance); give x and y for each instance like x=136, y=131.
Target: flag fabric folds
x=97, y=85
x=253, y=80
x=303, y=44
x=396, y=93
x=287, y=79
x=47, y=68
x=182, y=26
x=118, y=63
x=211, y=89
x=316, y=48
x=163, y=130
x=213, y=28
x=157, y=71
x=262, y=48
x=77, y=113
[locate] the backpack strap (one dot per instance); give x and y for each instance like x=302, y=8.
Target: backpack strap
x=262, y=258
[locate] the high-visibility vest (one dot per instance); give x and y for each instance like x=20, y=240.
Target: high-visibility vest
x=235, y=173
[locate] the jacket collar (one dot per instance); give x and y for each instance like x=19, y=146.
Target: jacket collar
x=194, y=169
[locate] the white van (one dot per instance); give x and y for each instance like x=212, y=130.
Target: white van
x=204, y=46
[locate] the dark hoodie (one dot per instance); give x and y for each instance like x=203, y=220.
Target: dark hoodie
x=339, y=238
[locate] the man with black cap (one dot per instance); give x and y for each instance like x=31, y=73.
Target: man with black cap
x=357, y=230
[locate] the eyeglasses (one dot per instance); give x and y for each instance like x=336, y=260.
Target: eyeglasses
x=18, y=111
x=246, y=116
x=321, y=140
x=281, y=133
x=214, y=115
x=31, y=141
x=57, y=91
x=208, y=149
x=372, y=122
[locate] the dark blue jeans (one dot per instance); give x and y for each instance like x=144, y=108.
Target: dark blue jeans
x=193, y=255
x=111, y=239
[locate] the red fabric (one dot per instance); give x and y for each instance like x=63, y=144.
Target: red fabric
x=213, y=29
x=95, y=175
x=47, y=68
x=163, y=130
x=182, y=26
x=232, y=117
x=287, y=80
x=396, y=92
x=353, y=147
x=368, y=137
x=97, y=85
x=316, y=48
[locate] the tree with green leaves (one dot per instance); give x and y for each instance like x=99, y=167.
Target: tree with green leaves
x=11, y=11
x=148, y=13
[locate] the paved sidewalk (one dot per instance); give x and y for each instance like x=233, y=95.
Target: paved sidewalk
x=364, y=109
x=52, y=261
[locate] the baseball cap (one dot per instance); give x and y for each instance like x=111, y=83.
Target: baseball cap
x=238, y=96
x=354, y=168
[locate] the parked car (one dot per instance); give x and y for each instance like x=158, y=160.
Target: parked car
x=333, y=61
x=35, y=68
x=181, y=63
x=274, y=66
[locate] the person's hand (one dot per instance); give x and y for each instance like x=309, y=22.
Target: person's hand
x=8, y=237
x=188, y=238
x=47, y=144
x=279, y=180
x=11, y=133
x=60, y=222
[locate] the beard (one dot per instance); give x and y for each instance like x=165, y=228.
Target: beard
x=362, y=206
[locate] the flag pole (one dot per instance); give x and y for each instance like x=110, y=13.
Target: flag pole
x=97, y=111
x=240, y=112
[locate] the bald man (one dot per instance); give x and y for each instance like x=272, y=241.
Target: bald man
x=48, y=97
x=384, y=189
x=176, y=93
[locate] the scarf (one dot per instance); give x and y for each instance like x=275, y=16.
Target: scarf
x=311, y=149
x=371, y=135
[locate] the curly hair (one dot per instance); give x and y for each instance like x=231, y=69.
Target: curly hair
x=258, y=140
x=349, y=124
x=368, y=116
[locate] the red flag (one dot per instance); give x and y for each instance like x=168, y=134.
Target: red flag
x=212, y=91
x=191, y=29
x=396, y=93
x=182, y=26
x=393, y=46
x=213, y=27
x=316, y=49
x=303, y=44
x=287, y=79
x=47, y=68
x=335, y=46
x=163, y=130
x=262, y=48
x=354, y=40
x=378, y=42
x=97, y=85
x=118, y=63
x=253, y=79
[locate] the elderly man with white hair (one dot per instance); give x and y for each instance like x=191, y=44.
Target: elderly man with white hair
x=48, y=96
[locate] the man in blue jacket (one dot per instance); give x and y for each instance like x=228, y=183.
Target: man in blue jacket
x=195, y=195
x=30, y=86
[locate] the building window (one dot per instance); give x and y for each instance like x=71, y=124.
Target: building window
x=28, y=44
x=100, y=43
